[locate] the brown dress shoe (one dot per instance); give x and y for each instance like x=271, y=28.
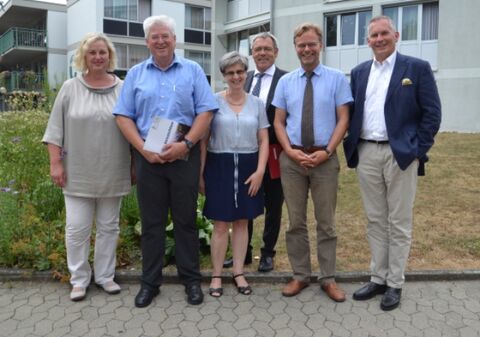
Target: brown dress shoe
x=333, y=291
x=293, y=288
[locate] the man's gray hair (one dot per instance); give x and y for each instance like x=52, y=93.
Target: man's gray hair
x=158, y=20
x=383, y=17
x=266, y=35
x=232, y=58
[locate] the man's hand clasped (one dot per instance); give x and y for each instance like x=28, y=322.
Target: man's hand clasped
x=308, y=160
x=171, y=152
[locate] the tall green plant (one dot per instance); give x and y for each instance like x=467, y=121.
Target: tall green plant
x=32, y=216
x=49, y=93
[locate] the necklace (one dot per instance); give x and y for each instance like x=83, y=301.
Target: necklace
x=240, y=103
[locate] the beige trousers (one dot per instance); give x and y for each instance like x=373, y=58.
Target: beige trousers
x=81, y=213
x=388, y=195
x=322, y=181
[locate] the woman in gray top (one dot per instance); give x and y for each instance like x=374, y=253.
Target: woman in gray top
x=233, y=169
x=90, y=161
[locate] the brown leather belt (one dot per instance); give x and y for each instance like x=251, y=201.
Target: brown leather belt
x=378, y=142
x=309, y=149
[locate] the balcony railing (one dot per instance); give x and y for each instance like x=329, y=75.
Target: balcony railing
x=17, y=37
x=21, y=80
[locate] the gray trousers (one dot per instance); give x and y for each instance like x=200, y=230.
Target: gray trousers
x=388, y=195
x=322, y=181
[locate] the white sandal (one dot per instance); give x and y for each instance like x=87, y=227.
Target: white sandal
x=110, y=287
x=78, y=294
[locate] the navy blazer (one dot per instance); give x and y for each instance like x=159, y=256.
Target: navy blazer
x=269, y=107
x=412, y=111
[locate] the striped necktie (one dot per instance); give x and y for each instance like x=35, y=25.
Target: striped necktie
x=258, y=85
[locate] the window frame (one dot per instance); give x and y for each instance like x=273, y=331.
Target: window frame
x=192, y=33
x=205, y=55
x=420, y=17
x=337, y=19
x=127, y=55
x=132, y=27
x=243, y=38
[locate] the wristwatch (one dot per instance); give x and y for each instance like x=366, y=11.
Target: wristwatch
x=329, y=153
x=188, y=143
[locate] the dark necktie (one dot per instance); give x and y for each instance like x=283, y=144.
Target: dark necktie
x=258, y=85
x=308, y=138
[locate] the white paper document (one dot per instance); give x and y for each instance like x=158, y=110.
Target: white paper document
x=162, y=132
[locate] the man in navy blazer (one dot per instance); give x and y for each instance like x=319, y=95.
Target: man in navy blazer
x=264, y=53
x=393, y=121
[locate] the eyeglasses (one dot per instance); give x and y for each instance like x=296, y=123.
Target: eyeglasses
x=310, y=45
x=265, y=49
x=238, y=72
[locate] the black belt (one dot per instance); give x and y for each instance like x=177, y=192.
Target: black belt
x=378, y=142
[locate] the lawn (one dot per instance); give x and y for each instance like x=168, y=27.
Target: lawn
x=447, y=213
x=447, y=210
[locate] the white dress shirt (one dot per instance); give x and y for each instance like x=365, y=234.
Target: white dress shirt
x=374, y=127
x=266, y=83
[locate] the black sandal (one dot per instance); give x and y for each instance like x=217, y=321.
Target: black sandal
x=216, y=292
x=247, y=290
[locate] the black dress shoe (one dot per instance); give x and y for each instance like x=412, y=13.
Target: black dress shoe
x=248, y=258
x=194, y=293
x=228, y=263
x=266, y=264
x=145, y=296
x=368, y=291
x=391, y=299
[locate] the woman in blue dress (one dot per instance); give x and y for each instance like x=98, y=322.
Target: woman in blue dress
x=233, y=167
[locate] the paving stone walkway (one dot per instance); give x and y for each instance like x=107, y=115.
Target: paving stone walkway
x=429, y=309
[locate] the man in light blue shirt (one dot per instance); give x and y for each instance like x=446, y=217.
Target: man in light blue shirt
x=310, y=122
x=176, y=89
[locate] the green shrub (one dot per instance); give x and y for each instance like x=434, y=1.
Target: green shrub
x=26, y=100
x=9, y=218
x=32, y=216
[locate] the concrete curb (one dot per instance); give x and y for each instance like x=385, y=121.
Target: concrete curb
x=124, y=276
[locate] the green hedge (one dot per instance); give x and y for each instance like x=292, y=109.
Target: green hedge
x=32, y=216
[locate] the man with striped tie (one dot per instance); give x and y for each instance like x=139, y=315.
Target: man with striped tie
x=262, y=82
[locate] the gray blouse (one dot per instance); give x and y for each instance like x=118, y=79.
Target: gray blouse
x=97, y=156
x=237, y=133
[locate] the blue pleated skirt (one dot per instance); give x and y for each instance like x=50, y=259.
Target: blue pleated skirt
x=226, y=194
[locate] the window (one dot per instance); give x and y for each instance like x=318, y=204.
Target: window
x=125, y=17
x=348, y=29
x=331, y=30
x=430, y=21
x=363, y=20
x=198, y=23
x=409, y=23
x=353, y=28
x=132, y=10
x=415, y=22
x=202, y=58
x=241, y=41
x=129, y=55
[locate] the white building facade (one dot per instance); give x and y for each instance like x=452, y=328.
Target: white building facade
x=444, y=32
x=44, y=34
x=122, y=21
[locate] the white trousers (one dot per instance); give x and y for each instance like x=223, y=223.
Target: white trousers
x=388, y=195
x=80, y=214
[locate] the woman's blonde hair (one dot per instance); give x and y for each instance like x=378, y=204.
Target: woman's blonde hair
x=79, y=57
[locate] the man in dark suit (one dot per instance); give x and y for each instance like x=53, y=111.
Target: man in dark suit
x=262, y=82
x=393, y=122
